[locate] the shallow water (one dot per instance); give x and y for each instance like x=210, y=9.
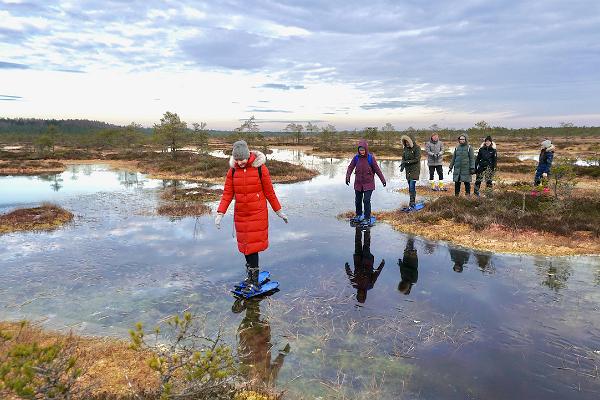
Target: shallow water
x=503, y=327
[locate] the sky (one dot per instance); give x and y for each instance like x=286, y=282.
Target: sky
x=514, y=63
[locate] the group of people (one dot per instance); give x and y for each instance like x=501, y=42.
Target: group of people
x=248, y=182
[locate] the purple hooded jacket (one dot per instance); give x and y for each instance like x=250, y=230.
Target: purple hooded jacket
x=365, y=174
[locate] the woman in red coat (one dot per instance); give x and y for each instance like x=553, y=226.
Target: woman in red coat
x=249, y=181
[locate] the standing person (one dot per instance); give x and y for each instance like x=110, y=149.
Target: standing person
x=435, y=149
x=485, y=164
x=463, y=164
x=364, y=182
x=249, y=181
x=545, y=161
x=411, y=162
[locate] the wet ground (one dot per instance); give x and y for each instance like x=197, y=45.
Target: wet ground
x=375, y=314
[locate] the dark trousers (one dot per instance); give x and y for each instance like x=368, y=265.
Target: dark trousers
x=361, y=198
x=487, y=174
x=252, y=260
x=434, y=168
x=457, y=188
x=538, y=177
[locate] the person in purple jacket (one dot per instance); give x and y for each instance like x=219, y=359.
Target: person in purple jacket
x=365, y=167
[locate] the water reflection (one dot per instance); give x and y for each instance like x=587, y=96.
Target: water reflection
x=409, y=267
x=484, y=263
x=459, y=257
x=254, y=344
x=363, y=277
x=54, y=179
x=555, y=274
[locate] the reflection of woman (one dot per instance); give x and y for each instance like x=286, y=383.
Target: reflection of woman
x=364, y=277
x=459, y=257
x=254, y=338
x=409, y=267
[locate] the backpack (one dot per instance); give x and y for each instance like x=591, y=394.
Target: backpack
x=369, y=160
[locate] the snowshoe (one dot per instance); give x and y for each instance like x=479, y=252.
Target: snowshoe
x=416, y=207
x=263, y=277
x=254, y=291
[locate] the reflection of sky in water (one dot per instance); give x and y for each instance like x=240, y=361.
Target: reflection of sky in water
x=116, y=264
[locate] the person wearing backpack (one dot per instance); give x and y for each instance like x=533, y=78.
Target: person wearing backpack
x=249, y=182
x=485, y=164
x=365, y=167
x=463, y=164
x=411, y=162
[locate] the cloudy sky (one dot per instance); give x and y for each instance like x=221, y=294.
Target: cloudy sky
x=349, y=63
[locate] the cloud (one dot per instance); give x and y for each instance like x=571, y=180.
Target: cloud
x=5, y=97
x=282, y=86
x=267, y=110
x=9, y=65
x=391, y=104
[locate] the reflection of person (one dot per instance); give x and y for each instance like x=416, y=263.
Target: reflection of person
x=249, y=181
x=363, y=277
x=409, y=267
x=485, y=164
x=254, y=340
x=463, y=164
x=435, y=150
x=365, y=167
x=411, y=162
x=483, y=261
x=460, y=257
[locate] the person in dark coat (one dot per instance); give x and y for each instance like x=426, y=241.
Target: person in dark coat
x=463, y=164
x=365, y=168
x=254, y=341
x=411, y=163
x=545, y=161
x=409, y=267
x=485, y=164
x=363, y=277
x=459, y=257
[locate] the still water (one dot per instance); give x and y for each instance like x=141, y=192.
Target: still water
x=377, y=314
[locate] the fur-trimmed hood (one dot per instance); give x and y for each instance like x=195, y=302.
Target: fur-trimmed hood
x=410, y=139
x=258, y=160
x=551, y=148
x=493, y=145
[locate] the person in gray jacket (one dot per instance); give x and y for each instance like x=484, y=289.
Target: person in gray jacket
x=435, y=150
x=463, y=164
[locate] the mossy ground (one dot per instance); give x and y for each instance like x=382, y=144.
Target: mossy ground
x=44, y=218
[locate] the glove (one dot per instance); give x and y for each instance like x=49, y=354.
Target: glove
x=472, y=171
x=449, y=169
x=347, y=182
x=402, y=166
x=544, y=175
x=281, y=215
x=384, y=184
x=218, y=220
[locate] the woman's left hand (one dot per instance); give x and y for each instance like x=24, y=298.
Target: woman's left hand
x=281, y=215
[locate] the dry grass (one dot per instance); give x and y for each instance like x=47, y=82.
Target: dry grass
x=30, y=167
x=508, y=222
x=181, y=209
x=44, y=218
x=192, y=194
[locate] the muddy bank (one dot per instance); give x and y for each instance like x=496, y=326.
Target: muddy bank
x=45, y=218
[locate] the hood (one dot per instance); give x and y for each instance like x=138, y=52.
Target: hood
x=363, y=143
x=434, y=141
x=410, y=139
x=256, y=159
x=551, y=148
x=466, y=137
x=493, y=145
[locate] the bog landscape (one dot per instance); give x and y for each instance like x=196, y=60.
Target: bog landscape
x=299, y=200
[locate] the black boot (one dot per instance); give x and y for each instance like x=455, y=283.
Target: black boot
x=413, y=197
x=248, y=280
x=253, y=286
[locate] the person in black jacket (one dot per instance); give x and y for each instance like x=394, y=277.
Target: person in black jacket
x=485, y=164
x=409, y=267
x=364, y=276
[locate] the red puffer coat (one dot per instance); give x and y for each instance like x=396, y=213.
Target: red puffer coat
x=250, y=216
